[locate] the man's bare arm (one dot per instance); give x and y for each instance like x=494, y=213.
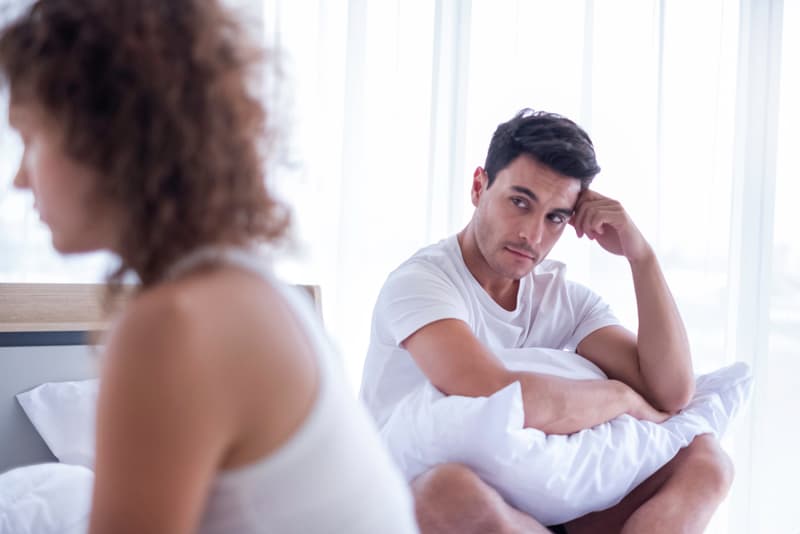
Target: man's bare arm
x=457, y=363
x=656, y=362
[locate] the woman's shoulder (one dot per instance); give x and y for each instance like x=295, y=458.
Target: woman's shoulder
x=223, y=339
x=201, y=305
x=208, y=325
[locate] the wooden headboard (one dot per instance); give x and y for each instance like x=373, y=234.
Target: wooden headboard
x=65, y=307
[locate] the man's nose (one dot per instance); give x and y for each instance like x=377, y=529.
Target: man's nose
x=533, y=232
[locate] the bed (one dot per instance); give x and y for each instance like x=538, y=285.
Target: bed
x=44, y=330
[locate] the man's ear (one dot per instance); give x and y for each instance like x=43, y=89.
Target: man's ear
x=480, y=181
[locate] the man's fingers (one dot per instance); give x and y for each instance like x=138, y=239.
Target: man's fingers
x=593, y=211
x=597, y=218
x=590, y=220
x=585, y=209
x=580, y=223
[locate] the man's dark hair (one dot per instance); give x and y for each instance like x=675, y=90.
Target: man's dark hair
x=551, y=139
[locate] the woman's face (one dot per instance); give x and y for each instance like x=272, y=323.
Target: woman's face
x=64, y=190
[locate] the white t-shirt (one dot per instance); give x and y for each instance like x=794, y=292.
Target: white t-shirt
x=435, y=284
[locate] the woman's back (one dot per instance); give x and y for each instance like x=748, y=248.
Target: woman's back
x=253, y=382
x=332, y=473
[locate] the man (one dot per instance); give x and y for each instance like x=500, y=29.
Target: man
x=443, y=314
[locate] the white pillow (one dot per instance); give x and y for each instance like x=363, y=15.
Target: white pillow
x=46, y=499
x=554, y=478
x=64, y=415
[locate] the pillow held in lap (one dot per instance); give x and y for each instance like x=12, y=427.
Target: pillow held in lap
x=554, y=478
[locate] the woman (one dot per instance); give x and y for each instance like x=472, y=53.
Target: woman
x=219, y=409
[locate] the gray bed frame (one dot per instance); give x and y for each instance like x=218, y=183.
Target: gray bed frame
x=43, y=338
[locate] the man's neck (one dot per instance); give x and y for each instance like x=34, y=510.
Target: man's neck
x=502, y=290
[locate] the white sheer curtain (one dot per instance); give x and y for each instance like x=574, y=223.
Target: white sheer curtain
x=774, y=464
x=389, y=105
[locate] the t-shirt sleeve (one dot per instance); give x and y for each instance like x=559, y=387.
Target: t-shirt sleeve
x=415, y=295
x=591, y=313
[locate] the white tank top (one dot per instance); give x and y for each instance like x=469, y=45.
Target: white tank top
x=332, y=476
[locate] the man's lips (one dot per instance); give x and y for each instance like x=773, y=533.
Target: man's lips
x=523, y=253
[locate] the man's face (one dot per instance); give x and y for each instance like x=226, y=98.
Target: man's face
x=521, y=216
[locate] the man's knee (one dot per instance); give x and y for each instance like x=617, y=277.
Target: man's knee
x=711, y=467
x=452, y=498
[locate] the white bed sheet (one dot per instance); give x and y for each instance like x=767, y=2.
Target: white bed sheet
x=47, y=498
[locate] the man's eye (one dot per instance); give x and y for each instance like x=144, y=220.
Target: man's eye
x=557, y=218
x=519, y=202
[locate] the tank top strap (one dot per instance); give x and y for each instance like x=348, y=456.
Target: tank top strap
x=260, y=263
x=249, y=259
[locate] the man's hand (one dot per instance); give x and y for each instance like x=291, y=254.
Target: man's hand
x=643, y=410
x=558, y=405
x=606, y=221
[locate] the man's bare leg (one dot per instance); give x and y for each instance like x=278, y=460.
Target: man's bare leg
x=680, y=497
x=450, y=498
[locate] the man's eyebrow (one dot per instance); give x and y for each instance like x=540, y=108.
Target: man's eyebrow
x=567, y=212
x=525, y=191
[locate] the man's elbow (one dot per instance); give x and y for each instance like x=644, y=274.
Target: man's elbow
x=677, y=397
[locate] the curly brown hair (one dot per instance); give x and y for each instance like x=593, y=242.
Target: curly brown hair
x=155, y=95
